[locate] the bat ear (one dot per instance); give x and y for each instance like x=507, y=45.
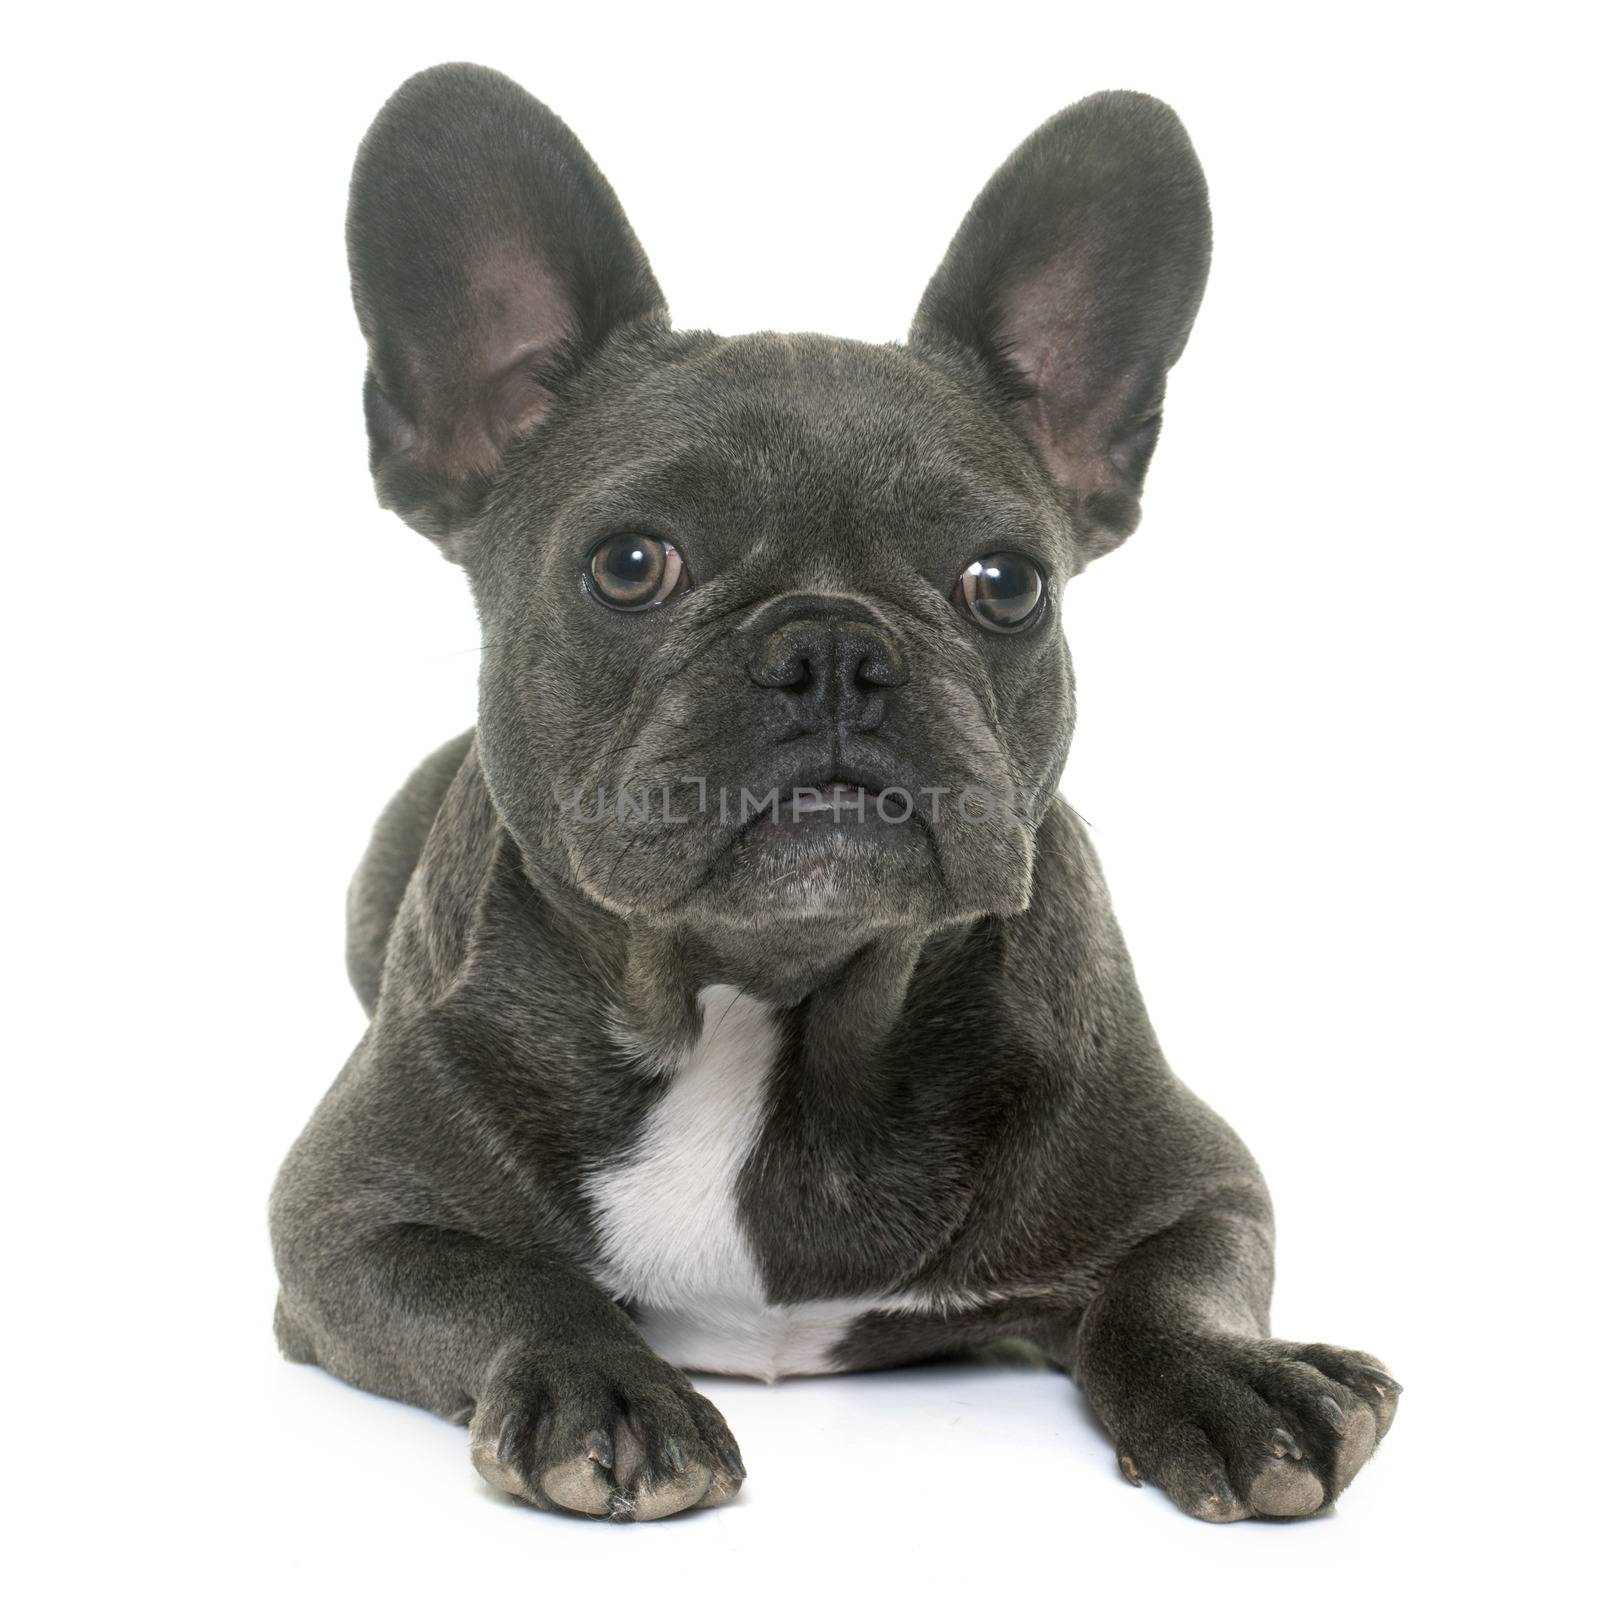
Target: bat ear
x=489, y=259
x=1076, y=277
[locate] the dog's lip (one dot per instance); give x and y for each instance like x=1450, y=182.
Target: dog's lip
x=835, y=807
x=834, y=796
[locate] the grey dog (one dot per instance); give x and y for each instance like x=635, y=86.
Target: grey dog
x=744, y=998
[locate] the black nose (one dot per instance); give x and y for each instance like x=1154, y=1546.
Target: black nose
x=830, y=668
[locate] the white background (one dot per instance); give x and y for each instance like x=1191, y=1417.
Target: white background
x=1337, y=711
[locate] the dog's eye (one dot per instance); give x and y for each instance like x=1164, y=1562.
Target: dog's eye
x=1001, y=593
x=631, y=571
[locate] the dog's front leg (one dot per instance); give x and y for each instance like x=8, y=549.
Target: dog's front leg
x=1174, y=1356
x=569, y=1407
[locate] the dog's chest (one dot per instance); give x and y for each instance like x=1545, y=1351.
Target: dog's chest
x=671, y=1240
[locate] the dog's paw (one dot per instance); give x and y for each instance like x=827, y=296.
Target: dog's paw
x=623, y=1436
x=1235, y=1428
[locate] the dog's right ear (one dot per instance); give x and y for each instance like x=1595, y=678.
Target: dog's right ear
x=488, y=258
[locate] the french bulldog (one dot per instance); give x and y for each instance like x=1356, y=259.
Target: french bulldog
x=744, y=998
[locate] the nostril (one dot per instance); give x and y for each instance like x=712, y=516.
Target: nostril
x=783, y=662
x=879, y=662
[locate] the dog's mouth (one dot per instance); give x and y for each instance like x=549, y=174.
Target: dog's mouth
x=831, y=841
x=847, y=836
x=835, y=804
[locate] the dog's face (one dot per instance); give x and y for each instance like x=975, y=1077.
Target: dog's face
x=747, y=648
x=771, y=624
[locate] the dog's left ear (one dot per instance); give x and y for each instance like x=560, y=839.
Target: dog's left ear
x=1075, y=278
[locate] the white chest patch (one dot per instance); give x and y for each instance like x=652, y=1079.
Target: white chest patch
x=670, y=1237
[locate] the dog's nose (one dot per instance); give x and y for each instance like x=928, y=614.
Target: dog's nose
x=826, y=668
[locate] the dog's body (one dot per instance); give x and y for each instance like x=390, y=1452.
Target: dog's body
x=920, y=1209
x=804, y=1090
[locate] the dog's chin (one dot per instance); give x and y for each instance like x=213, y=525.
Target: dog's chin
x=840, y=855
x=837, y=852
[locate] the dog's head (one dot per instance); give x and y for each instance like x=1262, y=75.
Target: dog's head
x=771, y=624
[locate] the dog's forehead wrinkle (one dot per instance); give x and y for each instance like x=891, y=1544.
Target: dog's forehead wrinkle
x=743, y=457
x=776, y=398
